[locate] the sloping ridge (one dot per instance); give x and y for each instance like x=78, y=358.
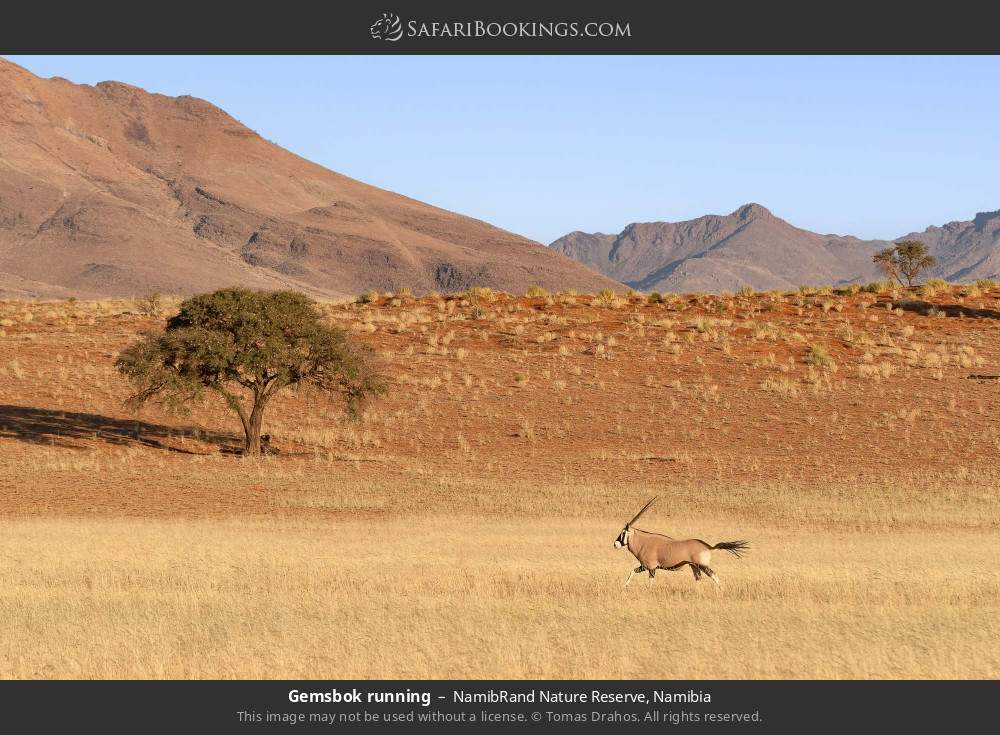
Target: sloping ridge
x=111, y=190
x=751, y=246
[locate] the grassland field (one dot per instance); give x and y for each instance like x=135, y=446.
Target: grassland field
x=463, y=526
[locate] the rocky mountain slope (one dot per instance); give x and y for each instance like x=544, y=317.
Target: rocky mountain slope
x=111, y=190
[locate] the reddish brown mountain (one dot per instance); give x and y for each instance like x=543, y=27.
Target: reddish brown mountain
x=110, y=190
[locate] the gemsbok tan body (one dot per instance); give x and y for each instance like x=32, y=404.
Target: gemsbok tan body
x=655, y=551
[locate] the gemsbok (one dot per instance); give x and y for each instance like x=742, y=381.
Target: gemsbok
x=656, y=551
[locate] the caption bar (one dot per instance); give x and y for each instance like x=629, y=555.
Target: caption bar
x=389, y=706
x=550, y=706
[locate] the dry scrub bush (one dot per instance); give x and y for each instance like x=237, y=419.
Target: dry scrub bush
x=819, y=355
x=780, y=386
x=878, y=371
x=608, y=299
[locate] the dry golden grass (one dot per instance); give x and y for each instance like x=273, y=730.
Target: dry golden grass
x=474, y=596
x=463, y=528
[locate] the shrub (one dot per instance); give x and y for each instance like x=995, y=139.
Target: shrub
x=780, y=386
x=877, y=287
x=149, y=305
x=932, y=287
x=607, y=297
x=481, y=293
x=818, y=355
x=765, y=330
x=876, y=371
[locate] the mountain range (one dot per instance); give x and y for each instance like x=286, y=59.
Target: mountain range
x=753, y=247
x=111, y=190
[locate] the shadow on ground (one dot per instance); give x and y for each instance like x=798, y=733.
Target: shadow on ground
x=924, y=307
x=50, y=427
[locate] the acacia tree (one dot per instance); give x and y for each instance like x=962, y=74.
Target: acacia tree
x=907, y=259
x=246, y=346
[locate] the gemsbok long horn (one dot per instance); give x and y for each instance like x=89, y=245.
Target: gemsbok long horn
x=656, y=551
x=644, y=509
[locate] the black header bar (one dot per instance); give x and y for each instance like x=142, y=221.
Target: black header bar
x=450, y=27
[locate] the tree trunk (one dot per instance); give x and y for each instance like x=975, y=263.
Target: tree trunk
x=251, y=428
x=251, y=441
x=234, y=403
x=252, y=422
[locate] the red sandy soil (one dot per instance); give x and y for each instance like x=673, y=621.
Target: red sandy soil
x=498, y=403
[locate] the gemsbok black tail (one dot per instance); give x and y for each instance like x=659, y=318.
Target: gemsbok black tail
x=736, y=548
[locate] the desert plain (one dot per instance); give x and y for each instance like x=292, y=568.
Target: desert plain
x=463, y=526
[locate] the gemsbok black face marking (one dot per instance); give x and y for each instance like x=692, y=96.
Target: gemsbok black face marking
x=622, y=539
x=656, y=551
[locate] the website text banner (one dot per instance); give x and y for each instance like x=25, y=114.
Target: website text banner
x=449, y=27
x=522, y=706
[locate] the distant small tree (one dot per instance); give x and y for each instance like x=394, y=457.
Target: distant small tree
x=907, y=259
x=246, y=346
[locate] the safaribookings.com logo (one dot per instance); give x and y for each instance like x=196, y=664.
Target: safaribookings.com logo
x=390, y=28
x=387, y=28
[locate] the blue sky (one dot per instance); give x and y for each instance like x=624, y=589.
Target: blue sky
x=869, y=146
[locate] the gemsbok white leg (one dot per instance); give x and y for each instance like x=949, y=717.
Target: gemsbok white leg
x=630, y=575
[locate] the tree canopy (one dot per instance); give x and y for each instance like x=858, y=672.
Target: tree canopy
x=246, y=346
x=907, y=259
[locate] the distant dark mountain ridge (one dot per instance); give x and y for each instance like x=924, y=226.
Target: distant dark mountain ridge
x=751, y=246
